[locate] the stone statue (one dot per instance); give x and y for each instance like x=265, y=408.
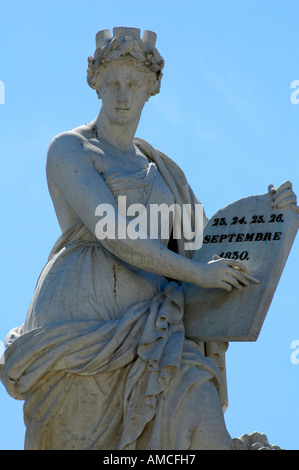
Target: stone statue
x=102, y=360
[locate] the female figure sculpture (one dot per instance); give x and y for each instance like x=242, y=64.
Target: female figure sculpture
x=102, y=360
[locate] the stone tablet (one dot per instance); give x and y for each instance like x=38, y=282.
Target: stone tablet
x=251, y=231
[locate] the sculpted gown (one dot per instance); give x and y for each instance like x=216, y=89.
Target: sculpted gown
x=102, y=361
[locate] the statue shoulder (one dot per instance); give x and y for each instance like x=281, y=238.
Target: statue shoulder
x=68, y=141
x=67, y=151
x=65, y=141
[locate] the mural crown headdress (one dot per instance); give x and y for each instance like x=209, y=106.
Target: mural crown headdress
x=125, y=42
x=104, y=36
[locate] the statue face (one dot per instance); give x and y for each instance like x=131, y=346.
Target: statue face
x=124, y=93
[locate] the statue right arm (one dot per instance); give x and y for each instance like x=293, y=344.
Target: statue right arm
x=70, y=167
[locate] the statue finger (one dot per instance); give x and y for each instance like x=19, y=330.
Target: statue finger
x=271, y=189
x=285, y=185
x=278, y=197
x=245, y=277
x=226, y=286
x=237, y=265
x=233, y=281
x=291, y=200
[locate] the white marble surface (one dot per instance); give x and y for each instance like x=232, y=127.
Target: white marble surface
x=102, y=360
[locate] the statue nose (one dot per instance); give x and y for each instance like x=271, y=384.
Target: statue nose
x=123, y=94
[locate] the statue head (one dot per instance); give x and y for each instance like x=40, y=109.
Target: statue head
x=126, y=46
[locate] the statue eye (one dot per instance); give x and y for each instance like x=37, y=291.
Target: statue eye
x=133, y=85
x=113, y=85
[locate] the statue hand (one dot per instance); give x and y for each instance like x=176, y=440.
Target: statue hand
x=225, y=274
x=283, y=196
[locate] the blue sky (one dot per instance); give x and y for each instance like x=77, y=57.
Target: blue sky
x=224, y=115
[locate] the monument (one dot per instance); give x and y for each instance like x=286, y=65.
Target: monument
x=123, y=346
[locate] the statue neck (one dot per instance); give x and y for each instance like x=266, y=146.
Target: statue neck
x=118, y=135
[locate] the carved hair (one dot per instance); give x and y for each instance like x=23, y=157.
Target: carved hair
x=126, y=46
